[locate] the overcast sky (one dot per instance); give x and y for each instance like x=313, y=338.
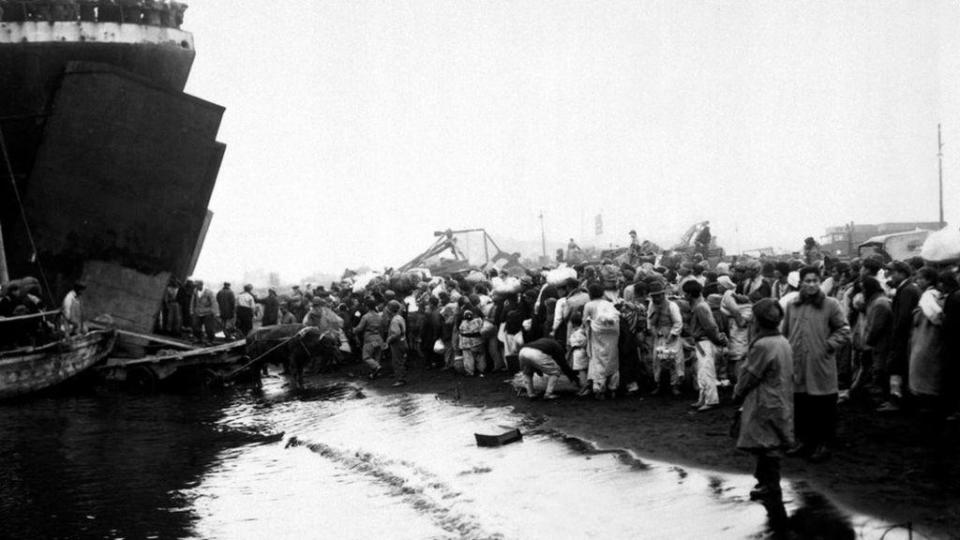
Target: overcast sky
x=356, y=128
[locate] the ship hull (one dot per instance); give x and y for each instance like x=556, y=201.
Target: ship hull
x=114, y=164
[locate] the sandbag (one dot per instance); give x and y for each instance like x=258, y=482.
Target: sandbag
x=559, y=276
x=942, y=246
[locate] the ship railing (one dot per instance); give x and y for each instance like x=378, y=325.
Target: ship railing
x=145, y=12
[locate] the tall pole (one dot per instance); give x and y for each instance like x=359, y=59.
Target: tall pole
x=940, y=159
x=4, y=273
x=543, y=237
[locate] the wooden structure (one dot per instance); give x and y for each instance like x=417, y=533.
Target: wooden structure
x=446, y=241
x=30, y=369
x=147, y=372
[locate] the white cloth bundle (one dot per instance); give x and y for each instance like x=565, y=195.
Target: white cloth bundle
x=510, y=285
x=942, y=246
x=559, y=276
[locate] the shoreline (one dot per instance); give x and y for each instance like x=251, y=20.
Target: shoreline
x=879, y=466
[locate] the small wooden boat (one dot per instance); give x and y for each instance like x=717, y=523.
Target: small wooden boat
x=498, y=440
x=29, y=369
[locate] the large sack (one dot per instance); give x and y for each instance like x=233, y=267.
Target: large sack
x=474, y=277
x=942, y=246
x=360, y=282
x=558, y=276
x=509, y=285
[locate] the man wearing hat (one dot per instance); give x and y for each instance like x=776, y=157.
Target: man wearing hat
x=73, y=310
x=905, y=300
x=246, y=303
x=227, y=301
x=765, y=390
x=753, y=285
x=665, y=323
x=205, y=313
x=271, y=308
x=703, y=239
x=635, y=251
x=707, y=339
x=397, y=341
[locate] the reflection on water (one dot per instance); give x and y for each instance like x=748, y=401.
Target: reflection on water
x=346, y=462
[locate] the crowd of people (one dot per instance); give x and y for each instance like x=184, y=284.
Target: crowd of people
x=785, y=339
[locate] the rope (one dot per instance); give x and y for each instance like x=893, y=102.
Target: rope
x=23, y=215
x=300, y=333
x=907, y=525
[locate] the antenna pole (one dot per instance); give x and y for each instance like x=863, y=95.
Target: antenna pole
x=940, y=159
x=543, y=236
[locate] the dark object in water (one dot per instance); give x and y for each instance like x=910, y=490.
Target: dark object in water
x=498, y=440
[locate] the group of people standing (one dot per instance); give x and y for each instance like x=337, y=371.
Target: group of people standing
x=783, y=340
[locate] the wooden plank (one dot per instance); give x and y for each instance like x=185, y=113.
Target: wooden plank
x=31, y=316
x=157, y=339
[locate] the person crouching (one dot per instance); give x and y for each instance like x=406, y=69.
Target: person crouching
x=765, y=390
x=546, y=357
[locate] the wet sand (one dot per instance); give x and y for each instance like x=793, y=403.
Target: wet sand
x=884, y=465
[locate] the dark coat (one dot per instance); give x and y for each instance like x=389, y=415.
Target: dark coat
x=904, y=302
x=227, y=301
x=271, y=310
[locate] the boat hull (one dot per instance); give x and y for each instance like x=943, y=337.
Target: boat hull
x=25, y=371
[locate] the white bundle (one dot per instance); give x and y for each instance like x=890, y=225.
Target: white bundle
x=510, y=285
x=942, y=246
x=559, y=276
x=360, y=282
x=474, y=277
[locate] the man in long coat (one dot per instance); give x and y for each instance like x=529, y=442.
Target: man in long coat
x=816, y=328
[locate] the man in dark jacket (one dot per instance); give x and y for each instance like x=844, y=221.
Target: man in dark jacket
x=904, y=302
x=228, y=309
x=271, y=309
x=951, y=334
x=430, y=332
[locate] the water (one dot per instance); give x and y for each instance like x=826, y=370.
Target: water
x=351, y=464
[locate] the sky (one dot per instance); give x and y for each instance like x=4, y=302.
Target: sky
x=356, y=128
